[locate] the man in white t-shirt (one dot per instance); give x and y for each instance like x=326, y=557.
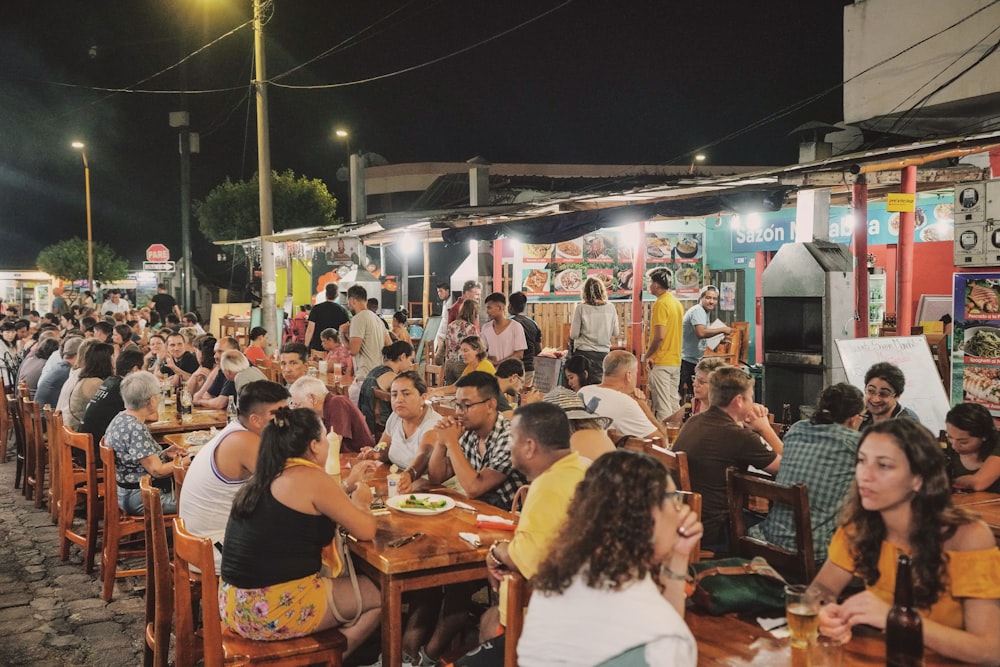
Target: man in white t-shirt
x=504, y=337
x=227, y=461
x=618, y=399
x=367, y=335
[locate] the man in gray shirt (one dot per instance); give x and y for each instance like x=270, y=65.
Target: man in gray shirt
x=367, y=336
x=694, y=334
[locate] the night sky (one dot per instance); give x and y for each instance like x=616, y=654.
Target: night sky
x=636, y=82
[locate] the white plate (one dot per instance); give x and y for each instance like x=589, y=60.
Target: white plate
x=396, y=503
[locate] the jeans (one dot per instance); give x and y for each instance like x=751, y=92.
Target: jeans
x=130, y=500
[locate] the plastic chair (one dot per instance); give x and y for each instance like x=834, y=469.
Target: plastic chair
x=159, y=584
x=217, y=645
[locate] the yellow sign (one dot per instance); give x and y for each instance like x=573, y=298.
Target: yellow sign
x=900, y=203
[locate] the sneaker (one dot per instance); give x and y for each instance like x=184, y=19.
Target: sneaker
x=407, y=662
x=425, y=660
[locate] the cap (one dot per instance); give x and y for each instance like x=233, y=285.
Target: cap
x=71, y=346
x=574, y=406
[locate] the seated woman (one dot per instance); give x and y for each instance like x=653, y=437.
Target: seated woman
x=579, y=372
x=463, y=327
x=205, y=354
x=412, y=420
x=396, y=358
x=272, y=586
x=97, y=367
x=336, y=353
x=136, y=452
x=820, y=453
x=257, y=348
x=699, y=384
x=973, y=448
x=594, y=605
x=399, y=329
x=473, y=351
x=900, y=502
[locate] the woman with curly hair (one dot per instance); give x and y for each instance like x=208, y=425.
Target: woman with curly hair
x=900, y=502
x=594, y=324
x=613, y=584
x=973, y=448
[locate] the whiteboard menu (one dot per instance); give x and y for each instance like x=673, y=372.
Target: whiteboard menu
x=924, y=392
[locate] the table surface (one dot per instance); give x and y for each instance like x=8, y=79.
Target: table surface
x=200, y=419
x=438, y=558
x=735, y=640
x=987, y=505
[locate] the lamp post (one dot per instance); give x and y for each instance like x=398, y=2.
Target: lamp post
x=699, y=157
x=78, y=145
x=346, y=137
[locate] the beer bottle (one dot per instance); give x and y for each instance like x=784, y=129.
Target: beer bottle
x=904, y=633
x=688, y=400
x=786, y=418
x=232, y=414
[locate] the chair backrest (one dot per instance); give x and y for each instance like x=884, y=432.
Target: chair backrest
x=676, y=463
x=54, y=444
x=798, y=565
x=433, y=375
x=111, y=511
x=159, y=587
x=380, y=396
x=191, y=550
x=518, y=595
x=180, y=470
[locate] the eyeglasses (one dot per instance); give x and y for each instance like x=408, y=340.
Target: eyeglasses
x=464, y=407
x=697, y=380
x=872, y=392
x=675, y=497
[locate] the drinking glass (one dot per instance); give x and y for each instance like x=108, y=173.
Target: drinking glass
x=802, y=611
x=826, y=652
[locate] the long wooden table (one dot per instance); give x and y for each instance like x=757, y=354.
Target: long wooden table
x=734, y=640
x=438, y=558
x=986, y=504
x=200, y=419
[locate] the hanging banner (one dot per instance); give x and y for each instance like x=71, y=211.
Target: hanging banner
x=976, y=340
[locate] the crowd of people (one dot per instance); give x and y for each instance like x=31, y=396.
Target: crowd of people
x=604, y=535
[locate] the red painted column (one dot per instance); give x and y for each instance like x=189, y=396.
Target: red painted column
x=638, y=279
x=859, y=198
x=498, y=265
x=904, y=304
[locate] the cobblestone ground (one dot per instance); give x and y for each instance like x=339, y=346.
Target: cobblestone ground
x=51, y=612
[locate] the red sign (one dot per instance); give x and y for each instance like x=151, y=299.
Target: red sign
x=157, y=253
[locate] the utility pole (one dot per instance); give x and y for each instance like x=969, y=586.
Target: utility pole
x=267, y=281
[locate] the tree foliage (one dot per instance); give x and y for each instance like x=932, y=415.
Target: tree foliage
x=232, y=210
x=67, y=260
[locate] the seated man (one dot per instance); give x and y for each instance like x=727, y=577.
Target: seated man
x=52, y=380
x=293, y=362
x=179, y=364
x=510, y=376
x=231, y=363
x=339, y=414
x=618, y=398
x=216, y=380
x=540, y=434
x=474, y=445
x=226, y=462
x=884, y=384
x=727, y=434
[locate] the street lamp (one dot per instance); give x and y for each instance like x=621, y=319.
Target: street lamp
x=78, y=145
x=698, y=157
x=342, y=134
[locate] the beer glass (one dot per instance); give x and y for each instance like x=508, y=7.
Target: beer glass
x=802, y=611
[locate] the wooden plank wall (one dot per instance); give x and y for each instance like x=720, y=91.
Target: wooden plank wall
x=554, y=319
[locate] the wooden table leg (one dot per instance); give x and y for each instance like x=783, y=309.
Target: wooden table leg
x=392, y=622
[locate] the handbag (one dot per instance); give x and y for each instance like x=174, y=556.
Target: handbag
x=726, y=585
x=337, y=559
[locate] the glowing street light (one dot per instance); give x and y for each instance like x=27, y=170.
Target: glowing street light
x=699, y=157
x=78, y=145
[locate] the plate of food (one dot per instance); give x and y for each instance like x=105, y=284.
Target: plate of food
x=687, y=247
x=937, y=233
x=536, y=280
x=606, y=278
x=981, y=297
x=625, y=253
x=569, y=280
x=688, y=277
x=894, y=224
x=537, y=250
x=599, y=248
x=197, y=438
x=982, y=342
x=569, y=250
x=944, y=213
x=658, y=247
x=423, y=504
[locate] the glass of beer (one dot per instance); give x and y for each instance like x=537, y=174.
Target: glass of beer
x=802, y=611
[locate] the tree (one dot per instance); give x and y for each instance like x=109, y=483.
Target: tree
x=232, y=210
x=68, y=260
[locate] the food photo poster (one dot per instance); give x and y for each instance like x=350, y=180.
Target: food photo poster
x=976, y=340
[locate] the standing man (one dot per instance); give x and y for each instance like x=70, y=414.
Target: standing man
x=367, y=335
x=447, y=301
x=226, y=462
x=326, y=315
x=114, y=304
x=470, y=290
x=695, y=332
x=884, y=384
x=163, y=303
x=663, y=351
x=730, y=433
x=532, y=334
x=504, y=337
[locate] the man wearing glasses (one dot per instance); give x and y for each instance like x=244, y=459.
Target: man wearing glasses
x=474, y=445
x=884, y=384
x=695, y=333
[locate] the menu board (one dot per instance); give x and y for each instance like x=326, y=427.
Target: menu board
x=560, y=269
x=976, y=344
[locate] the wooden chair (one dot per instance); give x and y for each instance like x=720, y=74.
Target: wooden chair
x=159, y=584
x=79, y=486
x=53, y=438
x=6, y=423
x=379, y=396
x=221, y=647
x=180, y=470
x=518, y=595
x=36, y=459
x=798, y=566
x=676, y=463
x=433, y=375
x=693, y=500
x=20, y=437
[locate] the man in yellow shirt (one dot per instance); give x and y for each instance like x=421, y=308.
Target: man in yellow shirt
x=663, y=349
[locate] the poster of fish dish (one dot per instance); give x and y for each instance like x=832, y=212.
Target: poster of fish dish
x=976, y=340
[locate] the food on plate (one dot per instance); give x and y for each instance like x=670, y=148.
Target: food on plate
x=983, y=343
x=687, y=247
x=624, y=253
x=569, y=280
x=894, y=224
x=568, y=248
x=605, y=278
x=597, y=246
x=985, y=298
x=688, y=277
x=937, y=233
x=536, y=280
x=658, y=246
x=537, y=250
x=944, y=213
x=919, y=218
x=417, y=503
x=982, y=384
x=625, y=279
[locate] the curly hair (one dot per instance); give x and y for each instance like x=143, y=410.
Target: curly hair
x=838, y=403
x=934, y=517
x=606, y=536
x=977, y=421
x=593, y=292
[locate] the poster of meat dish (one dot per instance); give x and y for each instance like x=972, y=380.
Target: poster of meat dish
x=976, y=340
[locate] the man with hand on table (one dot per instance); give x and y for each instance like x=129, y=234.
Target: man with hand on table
x=232, y=363
x=618, y=398
x=216, y=382
x=338, y=413
x=540, y=449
